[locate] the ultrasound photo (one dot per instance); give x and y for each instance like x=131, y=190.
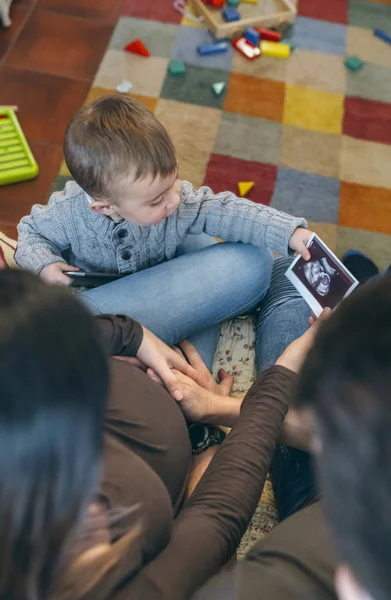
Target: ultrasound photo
x=323, y=281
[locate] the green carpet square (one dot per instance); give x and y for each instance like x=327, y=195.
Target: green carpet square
x=369, y=14
x=195, y=87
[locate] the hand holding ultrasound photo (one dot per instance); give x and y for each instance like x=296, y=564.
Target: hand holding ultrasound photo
x=323, y=281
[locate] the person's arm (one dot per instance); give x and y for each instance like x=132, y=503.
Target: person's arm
x=210, y=526
x=121, y=336
x=235, y=219
x=42, y=237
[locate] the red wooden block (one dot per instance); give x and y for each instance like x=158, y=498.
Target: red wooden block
x=268, y=34
x=217, y=3
x=246, y=49
x=137, y=47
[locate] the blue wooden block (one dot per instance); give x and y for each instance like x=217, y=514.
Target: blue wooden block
x=252, y=36
x=212, y=48
x=231, y=14
x=382, y=35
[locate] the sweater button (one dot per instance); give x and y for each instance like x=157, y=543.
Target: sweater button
x=126, y=255
x=122, y=233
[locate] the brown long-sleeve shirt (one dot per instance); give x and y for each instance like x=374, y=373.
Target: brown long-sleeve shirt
x=193, y=546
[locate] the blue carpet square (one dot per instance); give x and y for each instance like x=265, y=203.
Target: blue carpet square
x=320, y=36
x=185, y=49
x=304, y=194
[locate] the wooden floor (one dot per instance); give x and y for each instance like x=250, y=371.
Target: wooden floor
x=48, y=60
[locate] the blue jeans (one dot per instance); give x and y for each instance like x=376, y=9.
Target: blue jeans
x=283, y=317
x=190, y=296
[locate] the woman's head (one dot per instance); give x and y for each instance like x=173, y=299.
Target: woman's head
x=346, y=384
x=53, y=385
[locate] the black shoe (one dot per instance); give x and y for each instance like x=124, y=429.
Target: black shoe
x=362, y=267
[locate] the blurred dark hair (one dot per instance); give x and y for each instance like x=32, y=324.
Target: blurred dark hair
x=53, y=386
x=346, y=380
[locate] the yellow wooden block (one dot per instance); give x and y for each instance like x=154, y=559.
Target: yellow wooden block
x=245, y=187
x=64, y=169
x=250, y=1
x=313, y=109
x=275, y=49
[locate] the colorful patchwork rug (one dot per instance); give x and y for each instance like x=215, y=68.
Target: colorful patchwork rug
x=313, y=136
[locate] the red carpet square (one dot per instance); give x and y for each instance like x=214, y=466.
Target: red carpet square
x=154, y=10
x=224, y=173
x=367, y=120
x=335, y=11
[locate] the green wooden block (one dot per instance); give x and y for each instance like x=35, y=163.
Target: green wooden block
x=176, y=67
x=353, y=63
x=219, y=88
x=289, y=43
x=233, y=2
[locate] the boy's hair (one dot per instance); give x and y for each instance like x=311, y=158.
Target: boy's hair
x=111, y=137
x=346, y=380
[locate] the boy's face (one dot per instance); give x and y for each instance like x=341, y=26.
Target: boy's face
x=143, y=202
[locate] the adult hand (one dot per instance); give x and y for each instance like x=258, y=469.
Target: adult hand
x=202, y=376
x=293, y=357
x=203, y=398
x=298, y=240
x=161, y=360
x=54, y=274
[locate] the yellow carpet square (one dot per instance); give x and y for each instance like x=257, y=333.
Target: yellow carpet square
x=313, y=109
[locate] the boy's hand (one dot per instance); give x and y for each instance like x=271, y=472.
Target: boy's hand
x=298, y=241
x=54, y=274
x=161, y=358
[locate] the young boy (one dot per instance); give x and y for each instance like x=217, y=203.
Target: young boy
x=125, y=168
x=126, y=211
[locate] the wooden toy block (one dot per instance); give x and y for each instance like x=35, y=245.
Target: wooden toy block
x=217, y=3
x=245, y=187
x=219, y=87
x=268, y=34
x=137, y=47
x=251, y=1
x=252, y=36
x=124, y=87
x=246, y=49
x=353, y=63
x=275, y=49
x=213, y=48
x=17, y=162
x=231, y=14
x=382, y=35
x=282, y=12
x=290, y=44
x=234, y=3
x=176, y=67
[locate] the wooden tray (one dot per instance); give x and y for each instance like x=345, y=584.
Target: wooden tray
x=266, y=13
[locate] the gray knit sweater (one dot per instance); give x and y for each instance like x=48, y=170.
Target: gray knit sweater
x=67, y=230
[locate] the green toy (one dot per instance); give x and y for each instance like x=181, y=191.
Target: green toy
x=176, y=67
x=17, y=162
x=353, y=63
